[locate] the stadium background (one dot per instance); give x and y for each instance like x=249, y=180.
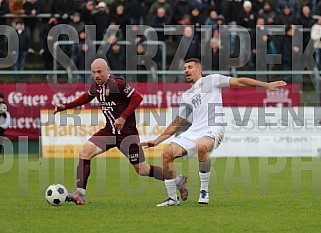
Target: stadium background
x=248, y=194
x=41, y=71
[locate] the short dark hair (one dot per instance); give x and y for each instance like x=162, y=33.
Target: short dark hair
x=196, y=60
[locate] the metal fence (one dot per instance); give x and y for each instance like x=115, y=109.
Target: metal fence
x=161, y=45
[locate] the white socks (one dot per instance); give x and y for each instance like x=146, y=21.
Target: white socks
x=171, y=184
x=205, y=178
x=171, y=188
x=177, y=180
x=82, y=191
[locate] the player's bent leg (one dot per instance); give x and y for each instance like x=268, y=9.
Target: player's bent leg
x=170, y=153
x=83, y=171
x=171, y=181
x=89, y=151
x=142, y=168
x=145, y=169
x=204, y=146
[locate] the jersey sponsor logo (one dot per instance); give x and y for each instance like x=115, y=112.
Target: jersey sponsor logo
x=108, y=104
x=196, y=100
x=104, y=108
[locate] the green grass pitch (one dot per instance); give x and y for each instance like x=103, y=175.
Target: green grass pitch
x=247, y=195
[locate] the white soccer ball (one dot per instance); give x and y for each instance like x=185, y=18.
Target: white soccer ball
x=56, y=194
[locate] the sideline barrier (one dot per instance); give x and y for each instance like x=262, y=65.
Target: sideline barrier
x=249, y=132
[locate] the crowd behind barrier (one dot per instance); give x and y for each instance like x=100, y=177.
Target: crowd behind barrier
x=33, y=19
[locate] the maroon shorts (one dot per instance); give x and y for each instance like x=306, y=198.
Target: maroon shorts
x=127, y=144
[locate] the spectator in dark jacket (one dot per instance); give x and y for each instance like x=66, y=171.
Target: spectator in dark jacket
x=32, y=8
x=83, y=54
x=47, y=41
x=258, y=5
x=101, y=20
x=286, y=17
x=307, y=22
x=159, y=20
x=65, y=9
x=77, y=23
x=181, y=9
x=247, y=17
x=137, y=12
x=189, y=47
x=121, y=18
x=212, y=19
x=45, y=7
x=116, y=57
x=197, y=19
x=289, y=47
x=294, y=5
x=87, y=13
x=318, y=8
x=215, y=49
x=19, y=52
x=201, y=5
x=191, y=42
x=260, y=38
x=117, y=3
x=4, y=9
x=231, y=9
x=157, y=5
x=269, y=15
x=142, y=62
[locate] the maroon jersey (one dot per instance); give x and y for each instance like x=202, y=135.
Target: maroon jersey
x=114, y=97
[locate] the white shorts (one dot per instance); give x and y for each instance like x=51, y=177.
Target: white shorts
x=188, y=141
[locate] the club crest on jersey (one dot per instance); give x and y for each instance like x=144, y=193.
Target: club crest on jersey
x=107, y=91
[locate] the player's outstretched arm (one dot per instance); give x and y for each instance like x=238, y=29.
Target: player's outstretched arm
x=59, y=108
x=169, y=131
x=248, y=82
x=81, y=100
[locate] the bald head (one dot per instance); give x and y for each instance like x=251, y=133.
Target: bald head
x=99, y=62
x=100, y=70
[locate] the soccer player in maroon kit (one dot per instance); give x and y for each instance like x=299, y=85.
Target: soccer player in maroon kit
x=118, y=102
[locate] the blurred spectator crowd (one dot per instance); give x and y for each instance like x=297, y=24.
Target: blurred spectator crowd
x=255, y=15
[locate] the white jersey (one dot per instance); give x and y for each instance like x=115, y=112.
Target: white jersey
x=202, y=106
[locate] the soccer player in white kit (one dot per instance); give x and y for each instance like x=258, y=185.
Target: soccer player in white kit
x=202, y=106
